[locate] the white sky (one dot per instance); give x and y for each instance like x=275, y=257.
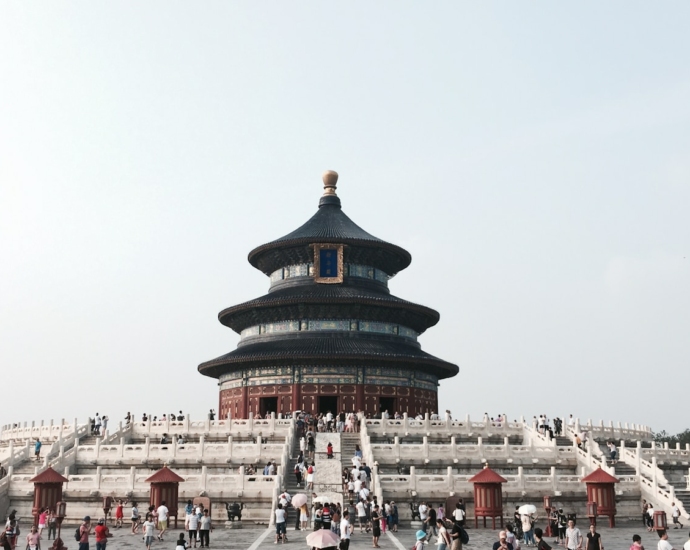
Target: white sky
x=534, y=158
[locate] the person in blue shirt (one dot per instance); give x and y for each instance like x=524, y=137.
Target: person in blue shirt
x=37, y=450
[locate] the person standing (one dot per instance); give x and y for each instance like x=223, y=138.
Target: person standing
x=573, y=536
x=594, y=539
x=430, y=526
x=459, y=514
x=119, y=513
x=37, y=450
x=281, y=531
x=528, y=533
x=181, y=544
x=97, y=425
x=84, y=532
x=375, y=526
x=502, y=542
x=102, y=533
x=205, y=529
x=361, y=515
x=52, y=524
x=193, y=527
x=162, y=513
x=42, y=520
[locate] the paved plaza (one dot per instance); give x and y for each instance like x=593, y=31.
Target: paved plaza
x=258, y=537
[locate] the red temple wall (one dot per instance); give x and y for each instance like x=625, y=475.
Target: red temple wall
x=239, y=402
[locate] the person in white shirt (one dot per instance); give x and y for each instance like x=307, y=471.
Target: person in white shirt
x=663, y=543
x=571, y=421
x=423, y=509
x=193, y=528
x=280, y=524
x=573, y=537
x=345, y=531
x=361, y=515
x=363, y=493
x=149, y=528
x=358, y=485
x=162, y=512
x=675, y=514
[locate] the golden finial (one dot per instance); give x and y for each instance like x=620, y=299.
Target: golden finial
x=330, y=178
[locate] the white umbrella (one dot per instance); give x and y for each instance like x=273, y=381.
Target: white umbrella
x=322, y=538
x=322, y=499
x=298, y=500
x=527, y=509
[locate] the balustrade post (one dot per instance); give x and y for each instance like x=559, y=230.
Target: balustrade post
x=186, y=423
x=577, y=425
x=638, y=458
x=74, y=426
x=208, y=424
x=99, y=471
x=250, y=422
x=272, y=423
x=228, y=423
x=241, y=470
x=506, y=446
x=450, y=479
x=229, y=446
x=521, y=478
x=427, y=422
x=468, y=424
x=132, y=477
x=453, y=447
x=147, y=444
x=98, y=447
x=406, y=423
x=678, y=446
x=425, y=447
x=121, y=450
x=174, y=446
x=413, y=479
x=203, y=478
x=666, y=446
x=654, y=476
x=396, y=446
x=449, y=423
x=258, y=446
x=167, y=424
x=480, y=447
x=202, y=444
x=554, y=483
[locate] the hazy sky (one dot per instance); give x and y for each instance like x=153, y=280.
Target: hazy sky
x=533, y=157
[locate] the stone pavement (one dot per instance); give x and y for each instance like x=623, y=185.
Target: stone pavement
x=250, y=538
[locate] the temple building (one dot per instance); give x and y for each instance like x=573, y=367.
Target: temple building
x=329, y=335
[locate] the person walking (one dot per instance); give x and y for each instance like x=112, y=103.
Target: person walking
x=541, y=543
x=135, y=518
x=42, y=520
x=675, y=514
x=594, y=539
x=193, y=527
x=345, y=531
x=162, y=513
x=149, y=528
x=573, y=536
x=528, y=532
x=663, y=543
x=443, y=536
x=33, y=539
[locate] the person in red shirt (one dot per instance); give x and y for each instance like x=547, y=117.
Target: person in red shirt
x=102, y=534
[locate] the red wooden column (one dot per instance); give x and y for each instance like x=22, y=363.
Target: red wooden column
x=601, y=489
x=488, y=496
x=47, y=491
x=165, y=486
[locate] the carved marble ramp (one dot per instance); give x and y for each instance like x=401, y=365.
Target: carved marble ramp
x=328, y=481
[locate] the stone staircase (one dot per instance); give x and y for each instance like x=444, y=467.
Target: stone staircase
x=348, y=441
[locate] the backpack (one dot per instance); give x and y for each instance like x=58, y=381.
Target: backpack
x=77, y=534
x=310, y=470
x=464, y=537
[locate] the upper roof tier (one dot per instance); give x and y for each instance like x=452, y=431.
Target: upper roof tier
x=332, y=226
